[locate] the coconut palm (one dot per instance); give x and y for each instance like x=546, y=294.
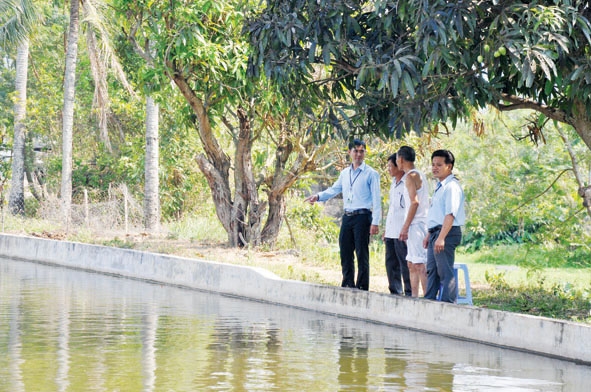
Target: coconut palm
x=68, y=110
x=151, y=164
x=15, y=30
x=102, y=58
x=151, y=182
x=95, y=29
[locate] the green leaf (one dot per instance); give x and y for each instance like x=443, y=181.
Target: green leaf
x=383, y=80
x=312, y=52
x=394, y=85
x=361, y=77
x=408, y=84
x=326, y=54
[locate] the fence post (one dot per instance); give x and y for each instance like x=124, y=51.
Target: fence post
x=125, y=209
x=86, y=214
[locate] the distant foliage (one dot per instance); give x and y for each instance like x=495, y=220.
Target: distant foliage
x=521, y=193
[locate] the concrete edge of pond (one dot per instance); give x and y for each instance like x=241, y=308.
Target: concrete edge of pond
x=539, y=335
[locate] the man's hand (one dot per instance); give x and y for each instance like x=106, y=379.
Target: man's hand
x=311, y=199
x=439, y=245
x=403, y=236
x=374, y=229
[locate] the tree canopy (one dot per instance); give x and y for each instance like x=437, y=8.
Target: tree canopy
x=200, y=48
x=410, y=64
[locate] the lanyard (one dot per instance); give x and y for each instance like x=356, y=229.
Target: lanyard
x=352, y=181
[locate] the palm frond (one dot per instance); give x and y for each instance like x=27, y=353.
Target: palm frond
x=18, y=18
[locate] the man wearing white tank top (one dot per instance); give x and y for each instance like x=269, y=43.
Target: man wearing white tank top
x=396, y=264
x=414, y=229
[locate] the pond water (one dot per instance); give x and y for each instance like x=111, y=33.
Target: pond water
x=67, y=330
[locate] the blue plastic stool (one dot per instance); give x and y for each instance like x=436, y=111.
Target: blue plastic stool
x=467, y=298
x=462, y=299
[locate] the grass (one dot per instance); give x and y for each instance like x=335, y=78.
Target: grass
x=538, y=298
x=562, y=293
x=197, y=228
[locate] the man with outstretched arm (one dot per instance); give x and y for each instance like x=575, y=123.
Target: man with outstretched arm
x=360, y=186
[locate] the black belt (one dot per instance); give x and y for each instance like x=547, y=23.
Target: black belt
x=361, y=211
x=434, y=229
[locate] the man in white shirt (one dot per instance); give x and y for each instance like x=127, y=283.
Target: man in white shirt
x=362, y=204
x=444, y=220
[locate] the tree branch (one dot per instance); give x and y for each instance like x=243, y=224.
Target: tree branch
x=542, y=193
x=575, y=164
x=131, y=36
x=522, y=103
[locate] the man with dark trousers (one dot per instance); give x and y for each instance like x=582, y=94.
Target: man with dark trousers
x=362, y=204
x=444, y=220
x=397, y=269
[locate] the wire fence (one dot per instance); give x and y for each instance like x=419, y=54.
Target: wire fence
x=113, y=210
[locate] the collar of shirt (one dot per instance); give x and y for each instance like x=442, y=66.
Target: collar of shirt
x=445, y=181
x=362, y=167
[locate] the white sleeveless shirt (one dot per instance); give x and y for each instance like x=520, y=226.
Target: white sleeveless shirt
x=423, y=196
x=396, y=209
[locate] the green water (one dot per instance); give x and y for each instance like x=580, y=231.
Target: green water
x=65, y=330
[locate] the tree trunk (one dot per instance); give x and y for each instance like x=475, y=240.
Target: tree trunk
x=68, y=113
x=247, y=208
x=215, y=164
x=242, y=215
x=239, y=226
x=220, y=193
x=584, y=192
x=284, y=178
x=275, y=218
x=151, y=185
x=582, y=123
x=16, y=199
x=37, y=193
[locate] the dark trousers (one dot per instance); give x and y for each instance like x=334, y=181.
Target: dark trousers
x=354, y=240
x=397, y=266
x=440, y=267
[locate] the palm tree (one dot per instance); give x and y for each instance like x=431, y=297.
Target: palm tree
x=15, y=30
x=102, y=58
x=151, y=164
x=151, y=181
x=98, y=66
x=16, y=200
x=68, y=111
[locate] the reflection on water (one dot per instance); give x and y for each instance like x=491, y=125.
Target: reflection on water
x=65, y=330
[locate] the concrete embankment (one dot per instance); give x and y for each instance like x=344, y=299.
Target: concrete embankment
x=554, y=338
